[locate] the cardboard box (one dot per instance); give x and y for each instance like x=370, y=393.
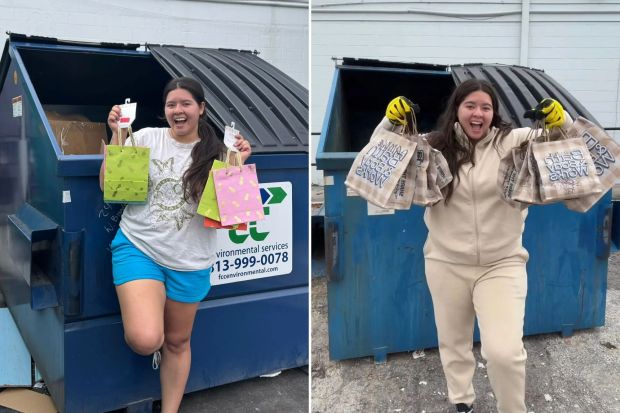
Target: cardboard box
x=27, y=401
x=76, y=135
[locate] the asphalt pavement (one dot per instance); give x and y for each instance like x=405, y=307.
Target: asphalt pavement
x=287, y=392
x=580, y=373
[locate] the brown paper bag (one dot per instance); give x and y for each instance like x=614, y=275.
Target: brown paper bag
x=379, y=166
x=509, y=168
x=526, y=187
x=444, y=177
x=402, y=195
x=605, y=153
x=434, y=194
x=421, y=158
x=565, y=169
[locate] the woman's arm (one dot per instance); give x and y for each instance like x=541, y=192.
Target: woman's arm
x=521, y=134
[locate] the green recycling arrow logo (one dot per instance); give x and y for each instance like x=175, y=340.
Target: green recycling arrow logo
x=277, y=195
x=269, y=196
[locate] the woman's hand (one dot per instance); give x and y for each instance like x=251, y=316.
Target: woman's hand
x=399, y=110
x=113, y=117
x=243, y=146
x=550, y=110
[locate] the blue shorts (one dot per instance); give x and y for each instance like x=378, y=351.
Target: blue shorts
x=129, y=264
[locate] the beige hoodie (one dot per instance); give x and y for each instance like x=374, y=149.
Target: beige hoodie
x=477, y=227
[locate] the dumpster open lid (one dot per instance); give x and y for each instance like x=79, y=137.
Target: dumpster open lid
x=268, y=107
x=519, y=88
x=364, y=62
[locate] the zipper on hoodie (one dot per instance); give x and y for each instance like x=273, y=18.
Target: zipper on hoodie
x=473, y=197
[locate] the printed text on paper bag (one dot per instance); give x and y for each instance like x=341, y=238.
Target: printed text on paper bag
x=378, y=164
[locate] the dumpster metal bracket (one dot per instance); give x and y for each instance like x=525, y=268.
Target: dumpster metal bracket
x=332, y=243
x=72, y=264
x=32, y=234
x=603, y=229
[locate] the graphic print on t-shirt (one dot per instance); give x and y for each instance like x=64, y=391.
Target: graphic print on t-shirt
x=166, y=195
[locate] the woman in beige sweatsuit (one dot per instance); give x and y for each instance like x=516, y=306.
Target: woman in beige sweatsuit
x=474, y=257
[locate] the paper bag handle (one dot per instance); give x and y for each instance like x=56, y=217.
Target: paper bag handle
x=239, y=161
x=413, y=130
x=129, y=133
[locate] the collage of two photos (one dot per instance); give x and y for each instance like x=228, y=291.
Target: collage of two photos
x=322, y=207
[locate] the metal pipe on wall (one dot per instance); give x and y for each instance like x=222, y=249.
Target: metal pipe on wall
x=525, y=32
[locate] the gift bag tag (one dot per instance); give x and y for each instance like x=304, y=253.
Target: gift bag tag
x=229, y=136
x=128, y=114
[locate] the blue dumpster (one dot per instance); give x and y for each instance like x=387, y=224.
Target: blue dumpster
x=379, y=302
x=55, y=268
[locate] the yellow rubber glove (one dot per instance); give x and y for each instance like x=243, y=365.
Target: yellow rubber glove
x=399, y=110
x=550, y=110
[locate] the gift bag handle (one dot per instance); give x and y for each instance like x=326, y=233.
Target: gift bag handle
x=238, y=160
x=130, y=135
x=544, y=134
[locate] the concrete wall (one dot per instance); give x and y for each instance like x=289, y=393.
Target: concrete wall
x=575, y=42
x=278, y=32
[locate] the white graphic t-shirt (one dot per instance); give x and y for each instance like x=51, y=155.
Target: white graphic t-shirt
x=167, y=228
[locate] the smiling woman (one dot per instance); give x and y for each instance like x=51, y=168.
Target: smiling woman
x=475, y=114
x=182, y=113
x=162, y=256
x=472, y=270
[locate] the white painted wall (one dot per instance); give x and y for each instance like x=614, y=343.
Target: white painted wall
x=279, y=33
x=576, y=42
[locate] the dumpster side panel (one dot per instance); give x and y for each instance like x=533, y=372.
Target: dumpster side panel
x=379, y=302
x=24, y=156
x=37, y=151
x=42, y=331
x=13, y=175
x=567, y=282
x=92, y=290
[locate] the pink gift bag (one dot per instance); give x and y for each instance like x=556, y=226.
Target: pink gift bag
x=238, y=195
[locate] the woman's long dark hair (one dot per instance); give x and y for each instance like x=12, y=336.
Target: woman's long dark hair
x=444, y=137
x=206, y=150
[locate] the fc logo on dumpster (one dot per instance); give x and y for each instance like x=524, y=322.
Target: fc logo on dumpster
x=270, y=196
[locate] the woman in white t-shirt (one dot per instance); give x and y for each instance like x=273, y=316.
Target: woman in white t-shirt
x=162, y=254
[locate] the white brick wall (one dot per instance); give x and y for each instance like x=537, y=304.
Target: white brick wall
x=279, y=33
x=576, y=42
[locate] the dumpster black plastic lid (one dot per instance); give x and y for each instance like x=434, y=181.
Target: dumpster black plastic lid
x=268, y=107
x=17, y=37
x=520, y=88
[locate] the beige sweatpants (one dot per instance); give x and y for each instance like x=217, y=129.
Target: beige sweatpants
x=496, y=296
